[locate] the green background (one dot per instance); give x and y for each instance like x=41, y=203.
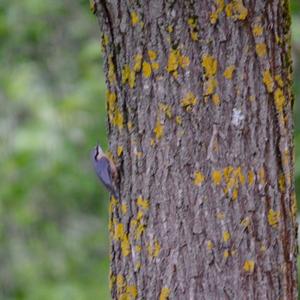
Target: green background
x=53, y=211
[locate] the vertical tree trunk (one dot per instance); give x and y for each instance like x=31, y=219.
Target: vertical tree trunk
x=200, y=125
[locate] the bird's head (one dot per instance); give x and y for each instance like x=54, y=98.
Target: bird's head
x=98, y=152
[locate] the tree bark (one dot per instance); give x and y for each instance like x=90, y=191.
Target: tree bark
x=200, y=123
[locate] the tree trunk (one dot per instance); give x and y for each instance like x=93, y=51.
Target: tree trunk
x=200, y=125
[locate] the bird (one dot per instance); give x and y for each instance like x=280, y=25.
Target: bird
x=105, y=170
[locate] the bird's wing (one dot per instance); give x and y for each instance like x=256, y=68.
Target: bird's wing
x=104, y=172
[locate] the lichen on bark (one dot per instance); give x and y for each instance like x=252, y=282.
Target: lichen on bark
x=196, y=102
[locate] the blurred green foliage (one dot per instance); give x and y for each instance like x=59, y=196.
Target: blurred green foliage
x=53, y=228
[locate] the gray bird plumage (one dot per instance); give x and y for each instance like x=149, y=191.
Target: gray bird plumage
x=103, y=170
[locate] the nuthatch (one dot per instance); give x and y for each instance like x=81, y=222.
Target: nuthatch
x=105, y=169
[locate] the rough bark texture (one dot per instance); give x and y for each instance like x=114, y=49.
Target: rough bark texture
x=200, y=125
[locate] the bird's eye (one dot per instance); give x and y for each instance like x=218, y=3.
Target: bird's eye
x=96, y=153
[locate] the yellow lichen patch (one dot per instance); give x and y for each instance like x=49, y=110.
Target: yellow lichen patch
x=118, y=119
x=184, y=61
x=93, y=7
x=153, y=249
x=124, y=208
x=158, y=130
x=261, y=49
x=210, y=64
x=279, y=99
x=125, y=73
x=120, y=235
x=251, y=177
x=120, y=281
x=228, y=9
x=262, y=176
x=227, y=172
x=134, y=18
x=226, y=254
x=143, y=203
x=243, y=11
x=273, y=217
x=278, y=39
x=178, y=120
x=119, y=231
x=138, y=249
x=210, y=245
x=138, y=228
x=215, y=14
x=229, y=72
x=216, y=99
x=231, y=183
x=233, y=178
x=172, y=61
x=238, y=173
x=257, y=30
x=112, y=280
x=120, y=150
x=220, y=216
x=245, y=222
x=198, y=178
x=194, y=35
x=155, y=66
x=131, y=290
x=138, y=58
x=226, y=236
x=130, y=125
x=192, y=23
x=209, y=86
x=252, y=98
x=140, y=215
x=170, y=28
x=110, y=223
x=105, y=40
x=166, y=109
x=268, y=80
x=131, y=80
x=137, y=266
x=216, y=177
x=286, y=157
x=125, y=246
x=146, y=69
x=152, y=54
x=111, y=101
x=249, y=266
x=111, y=71
x=175, y=60
x=139, y=154
x=279, y=80
x=235, y=194
x=164, y=293
x=281, y=183
x=113, y=202
x=263, y=248
x=189, y=100
x=123, y=296
x=214, y=17
x=236, y=10
x=294, y=204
